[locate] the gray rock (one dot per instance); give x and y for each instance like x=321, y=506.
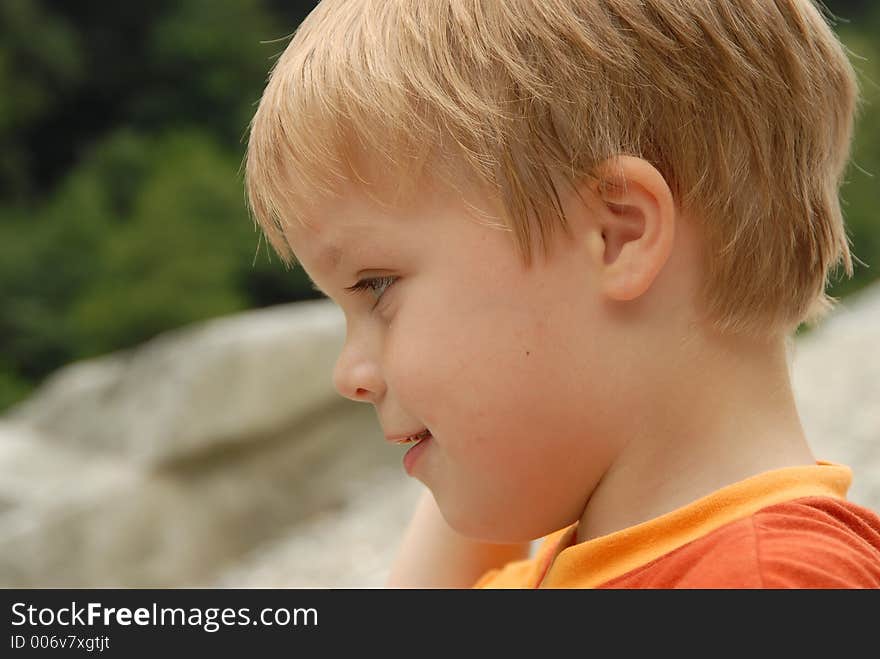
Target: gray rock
x=73, y=519
x=162, y=465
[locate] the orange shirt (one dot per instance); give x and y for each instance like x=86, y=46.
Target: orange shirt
x=786, y=528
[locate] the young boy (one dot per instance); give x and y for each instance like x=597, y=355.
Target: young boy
x=622, y=392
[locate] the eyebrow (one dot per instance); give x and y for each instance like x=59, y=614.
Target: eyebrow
x=329, y=258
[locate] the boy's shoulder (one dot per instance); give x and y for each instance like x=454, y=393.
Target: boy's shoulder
x=811, y=542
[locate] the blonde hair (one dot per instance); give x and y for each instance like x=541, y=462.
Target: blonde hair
x=746, y=107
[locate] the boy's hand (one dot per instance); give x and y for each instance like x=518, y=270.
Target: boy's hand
x=433, y=555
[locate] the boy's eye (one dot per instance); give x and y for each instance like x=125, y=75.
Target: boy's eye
x=373, y=284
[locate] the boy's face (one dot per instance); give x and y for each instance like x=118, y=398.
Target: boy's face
x=508, y=367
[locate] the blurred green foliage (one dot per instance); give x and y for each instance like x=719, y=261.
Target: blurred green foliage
x=860, y=193
x=122, y=211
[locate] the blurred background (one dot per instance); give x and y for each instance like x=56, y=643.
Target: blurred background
x=166, y=411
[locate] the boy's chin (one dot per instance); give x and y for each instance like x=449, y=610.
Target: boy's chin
x=495, y=529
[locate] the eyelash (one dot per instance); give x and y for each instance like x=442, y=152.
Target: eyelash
x=367, y=285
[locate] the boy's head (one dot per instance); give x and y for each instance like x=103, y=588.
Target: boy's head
x=745, y=107
x=677, y=163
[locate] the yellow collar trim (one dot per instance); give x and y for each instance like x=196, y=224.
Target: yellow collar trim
x=594, y=562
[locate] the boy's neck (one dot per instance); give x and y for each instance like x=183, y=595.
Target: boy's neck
x=728, y=413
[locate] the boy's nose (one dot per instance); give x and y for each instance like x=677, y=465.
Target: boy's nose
x=358, y=378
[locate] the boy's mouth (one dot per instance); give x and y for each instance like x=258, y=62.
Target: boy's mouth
x=414, y=439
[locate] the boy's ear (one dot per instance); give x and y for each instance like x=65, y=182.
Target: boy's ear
x=634, y=226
